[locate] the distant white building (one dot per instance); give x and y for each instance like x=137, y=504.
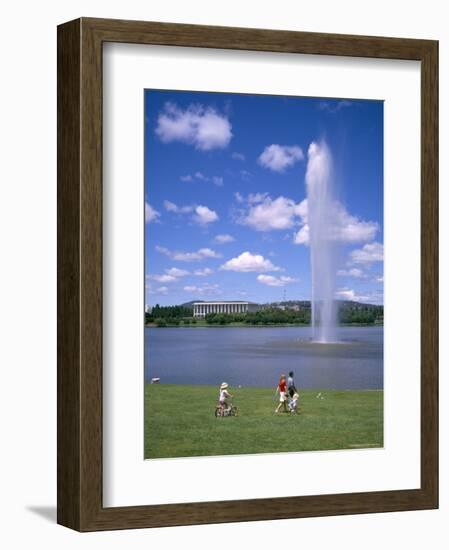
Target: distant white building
x=201, y=309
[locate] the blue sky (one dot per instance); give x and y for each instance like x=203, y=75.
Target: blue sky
x=225, y=195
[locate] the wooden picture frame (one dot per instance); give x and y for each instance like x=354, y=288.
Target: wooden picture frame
x=80, y=504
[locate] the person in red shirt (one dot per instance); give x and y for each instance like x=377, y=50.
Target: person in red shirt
x=282, y=389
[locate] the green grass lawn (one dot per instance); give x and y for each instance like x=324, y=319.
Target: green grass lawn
x=180, y=421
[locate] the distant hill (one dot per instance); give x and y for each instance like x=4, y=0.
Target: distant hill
x=352, y=304
x=307, y=304
x=189, y=305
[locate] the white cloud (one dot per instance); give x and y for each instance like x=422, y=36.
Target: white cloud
x=201, y=254
x=303, y=235
x=204, y=215
x=348, y=228
x=163, y=278
x=238, y=156
x=203, y=272
x=369, y=253
x=379, y=279
x=151, y=214
x=267, y=214
x=270, y=280
x=172, y=207
x=217, y=180
x=334, y=106
x=254, y=198
x=302, y=210
x=345, y=294
x=247, y=262
x=162, y=290
x=279, y=157
x=351, y=295
x=203, y=290
x=169, y=276
x=176, y=272
x=222, y=239
x=239, y=197
x=200, y=126
x=199, y=176
x=354, y=272
x=341, y=225
x=351, y=229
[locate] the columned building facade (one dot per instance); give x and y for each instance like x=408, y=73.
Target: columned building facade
x=201, y=309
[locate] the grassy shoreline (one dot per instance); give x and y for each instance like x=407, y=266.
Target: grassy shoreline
x=248, y=325
x=180, y=422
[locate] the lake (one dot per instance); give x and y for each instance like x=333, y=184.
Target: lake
x=257, y=356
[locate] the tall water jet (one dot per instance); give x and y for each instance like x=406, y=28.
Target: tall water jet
x=321, y=214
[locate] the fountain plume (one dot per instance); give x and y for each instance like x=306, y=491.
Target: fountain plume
x=322, y=218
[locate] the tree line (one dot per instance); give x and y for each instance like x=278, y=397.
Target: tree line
x=169, y=315
x=351, y=313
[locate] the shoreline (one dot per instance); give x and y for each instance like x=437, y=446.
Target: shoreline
x=239, y=388
x=248, y=325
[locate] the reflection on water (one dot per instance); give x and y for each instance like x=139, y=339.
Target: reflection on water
x=257, y=356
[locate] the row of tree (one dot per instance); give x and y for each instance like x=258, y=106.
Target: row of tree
x=170, y=315
x=271, y=316
x=348, y=313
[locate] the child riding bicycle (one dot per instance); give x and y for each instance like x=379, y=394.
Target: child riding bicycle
x=224, y=396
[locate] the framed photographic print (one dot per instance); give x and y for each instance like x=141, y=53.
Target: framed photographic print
x=247, y=274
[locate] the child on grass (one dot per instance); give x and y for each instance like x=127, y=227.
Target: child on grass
x=224, y=395
x=293, y=403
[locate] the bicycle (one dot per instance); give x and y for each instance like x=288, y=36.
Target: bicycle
x=229, y=410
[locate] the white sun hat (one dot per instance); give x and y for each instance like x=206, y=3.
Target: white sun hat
x=224, y=386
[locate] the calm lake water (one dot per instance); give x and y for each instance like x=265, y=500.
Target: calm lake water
x=257, y=356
